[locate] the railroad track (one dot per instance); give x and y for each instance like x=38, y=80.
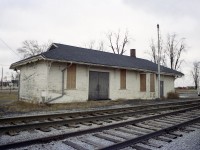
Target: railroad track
x=116, y=119
x=13, y=126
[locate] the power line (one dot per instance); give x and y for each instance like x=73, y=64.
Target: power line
x=9, y=47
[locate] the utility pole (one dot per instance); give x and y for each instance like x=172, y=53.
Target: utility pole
x=158, y=62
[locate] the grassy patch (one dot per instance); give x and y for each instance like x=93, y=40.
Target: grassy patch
x=172, y=95
x=6, y=95
x=83, y=105
x=186, y=91
x=9, y=104
x=21, y=106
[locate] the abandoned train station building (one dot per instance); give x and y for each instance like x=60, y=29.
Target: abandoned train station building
x=72, y=74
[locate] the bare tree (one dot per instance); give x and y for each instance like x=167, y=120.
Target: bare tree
x=95, y=45
x=154, y=52
x=31, y=47
x=195, y=73
x=91, y=44
x=174, y=49
x=101, y=46
x=117, y=42
x=12, y=76
x=171, y=51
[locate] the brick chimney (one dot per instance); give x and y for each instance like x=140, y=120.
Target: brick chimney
x=133, y=52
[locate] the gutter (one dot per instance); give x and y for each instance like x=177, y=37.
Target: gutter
x=41, y=57
x=47, y=86
x=116, y=67
x=63, y=78
x=27, y=60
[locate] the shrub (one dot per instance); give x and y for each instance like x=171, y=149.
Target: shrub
x=172, y=95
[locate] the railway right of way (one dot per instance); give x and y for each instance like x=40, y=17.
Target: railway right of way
x=117, y=119
x=13, y=126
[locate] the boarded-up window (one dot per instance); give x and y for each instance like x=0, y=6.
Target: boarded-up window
x=123, y=79
x=143, y=82
x=71, y=77
x=152, y=83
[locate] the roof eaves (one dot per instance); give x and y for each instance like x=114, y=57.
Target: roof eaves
x=119, y=67
x=25, y=61
x=172, y=74
x=93, y=64
x=52, y=45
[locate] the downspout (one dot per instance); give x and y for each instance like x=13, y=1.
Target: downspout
x=63, y=80
x=18, y=97
x=63, y=77
x=19, y=84
x=47, y=86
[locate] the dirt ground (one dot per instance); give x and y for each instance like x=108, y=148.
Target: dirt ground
x=9, y=104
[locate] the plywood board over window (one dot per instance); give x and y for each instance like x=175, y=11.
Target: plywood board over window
x=122, y=79
x=152, y=83
x=143, y=82
x=71, y=77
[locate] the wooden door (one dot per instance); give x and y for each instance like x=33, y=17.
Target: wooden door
x=98, y=85
x=103, y=85
x=161, y=89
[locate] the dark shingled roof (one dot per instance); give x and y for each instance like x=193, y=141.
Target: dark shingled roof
x=82, y=55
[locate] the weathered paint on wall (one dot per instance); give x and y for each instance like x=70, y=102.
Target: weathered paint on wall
x=43, y=82
x=33, y=81
x=79, y=94
x=168, y=84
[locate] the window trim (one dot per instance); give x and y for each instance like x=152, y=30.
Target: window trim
x=71, y=77
x=123, y=79
x=152, y=82
x=143, y=88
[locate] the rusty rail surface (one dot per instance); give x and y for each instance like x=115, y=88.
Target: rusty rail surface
x=82, y=113
x=96, y=115
x=99, y=129
x=133, y=141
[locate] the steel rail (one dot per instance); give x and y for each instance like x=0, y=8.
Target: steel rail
x=57, y=115
x=66, y=122
x=87, y=131
x=150, y=135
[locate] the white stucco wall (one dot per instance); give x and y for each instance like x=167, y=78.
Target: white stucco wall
x=79, y=94
x=132, y=90
x=32, y=81
x=45, y=79
x=168, y=84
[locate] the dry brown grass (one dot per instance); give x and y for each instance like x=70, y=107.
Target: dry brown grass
x=20, y=106
x=84, y=105
x=172, y=95
x=6, y=95
x=186, y=90
x=9, y=103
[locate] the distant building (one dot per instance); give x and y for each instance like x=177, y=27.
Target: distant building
x=70, y=74
x=15, y=82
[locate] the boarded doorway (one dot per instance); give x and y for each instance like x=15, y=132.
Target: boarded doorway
x=98, y=85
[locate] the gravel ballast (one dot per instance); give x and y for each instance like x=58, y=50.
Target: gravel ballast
x=189, y=141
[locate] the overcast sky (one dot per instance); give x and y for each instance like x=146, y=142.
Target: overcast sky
x=77, y=22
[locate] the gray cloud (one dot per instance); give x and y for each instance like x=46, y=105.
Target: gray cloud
x=19, y=4
x=167, y=8
x=75, y=22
